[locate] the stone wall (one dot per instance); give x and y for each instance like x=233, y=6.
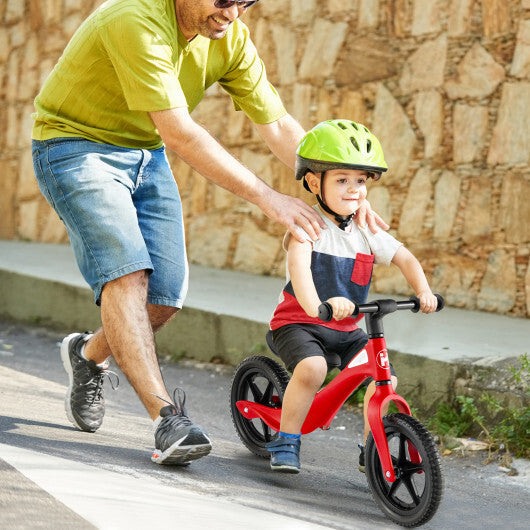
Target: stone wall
x=444, y=84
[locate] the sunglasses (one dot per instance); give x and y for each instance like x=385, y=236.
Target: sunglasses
x=225, y=4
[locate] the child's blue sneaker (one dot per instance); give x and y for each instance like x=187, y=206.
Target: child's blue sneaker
x=285, y=454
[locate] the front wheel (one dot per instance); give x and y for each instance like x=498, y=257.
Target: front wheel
x=415, y=495
x=261, y=380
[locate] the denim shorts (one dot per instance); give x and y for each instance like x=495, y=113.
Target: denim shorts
x=122, y=211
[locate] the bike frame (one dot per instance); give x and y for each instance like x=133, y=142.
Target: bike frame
x=371, y=361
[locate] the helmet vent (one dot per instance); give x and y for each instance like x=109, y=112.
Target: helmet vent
x=354, y=143
x=368, y=145
x=342, y=126
x=354, y=125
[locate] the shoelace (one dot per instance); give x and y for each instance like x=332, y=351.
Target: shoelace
x=97, y=379
x=179, y=398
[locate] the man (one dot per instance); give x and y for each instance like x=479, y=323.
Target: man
x=122, y=90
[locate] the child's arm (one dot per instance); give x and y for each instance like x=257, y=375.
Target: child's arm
x=413, y=272
x=299, y=265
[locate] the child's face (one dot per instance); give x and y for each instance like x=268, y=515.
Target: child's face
x=344, y=190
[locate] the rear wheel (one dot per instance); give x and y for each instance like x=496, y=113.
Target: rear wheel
x=261, y=380
x=415, y=495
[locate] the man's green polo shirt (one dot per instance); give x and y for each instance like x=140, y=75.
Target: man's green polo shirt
x=130, y=57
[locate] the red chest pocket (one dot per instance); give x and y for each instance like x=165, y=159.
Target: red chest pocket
x=362, y=269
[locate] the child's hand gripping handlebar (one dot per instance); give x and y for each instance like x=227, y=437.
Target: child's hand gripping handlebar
x=384, y=307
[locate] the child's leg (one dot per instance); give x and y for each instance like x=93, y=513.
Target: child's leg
x=305, y=382
x=370, y=391
x=307, y=378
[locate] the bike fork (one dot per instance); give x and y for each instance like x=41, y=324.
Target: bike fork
x=384, y=393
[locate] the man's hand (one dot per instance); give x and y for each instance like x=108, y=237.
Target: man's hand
x=366, y=214
x=293, y=213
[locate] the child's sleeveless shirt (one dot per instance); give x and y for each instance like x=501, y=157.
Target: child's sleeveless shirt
x=341, y=265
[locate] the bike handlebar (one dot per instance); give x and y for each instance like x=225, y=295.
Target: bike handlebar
x=384, y=307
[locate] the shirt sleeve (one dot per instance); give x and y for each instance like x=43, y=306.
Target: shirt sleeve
x=143, y=63
x=247, y=84
x=382, y=244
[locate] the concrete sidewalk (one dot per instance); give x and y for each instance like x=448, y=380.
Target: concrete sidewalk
x=226, y=316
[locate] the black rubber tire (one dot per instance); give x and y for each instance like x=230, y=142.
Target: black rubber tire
x=262, y=380
x=414, y=497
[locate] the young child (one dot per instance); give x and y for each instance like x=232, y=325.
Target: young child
x=334, y=159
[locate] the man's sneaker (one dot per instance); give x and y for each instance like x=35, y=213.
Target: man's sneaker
x=178, y=440
x=285, y=453
x=85, y=402
x=361, y=458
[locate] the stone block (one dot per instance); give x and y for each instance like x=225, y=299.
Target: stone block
x=419, y=198
x=428, y=110
x=379, y=198
x=318, y=61
x=424, y=68
x=389, y=280
x=515, y=209
x=460, y=15
x=521, y=57
x=509, y=143
x=352, y=106
x=477, y=213
x=302, y=11
x=256, y=251
x=496, y=18
x=393, y=129
x=302, y=99
x=285, y=44
x=27, y=186
x=208, y=239
x=368, y=14
x=426, y=17
x=454, y=278
x=375, y=59
x=27, y=219
x=470, y=129
x=340, y=6
x=498, y=286
x=17, y=35
x=14, y=11
x=478, y=75
x=7, y=198
x=446, y=200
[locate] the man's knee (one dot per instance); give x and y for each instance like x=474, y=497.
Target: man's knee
x=160, y=315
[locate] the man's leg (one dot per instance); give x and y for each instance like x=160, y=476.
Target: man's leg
x=128, y=334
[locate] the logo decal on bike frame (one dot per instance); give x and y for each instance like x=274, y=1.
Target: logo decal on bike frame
x=360, y=358
x=382, y=359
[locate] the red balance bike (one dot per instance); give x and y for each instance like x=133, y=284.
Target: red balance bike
x=402, y=462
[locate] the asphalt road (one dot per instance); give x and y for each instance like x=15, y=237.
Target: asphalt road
x=54, y=476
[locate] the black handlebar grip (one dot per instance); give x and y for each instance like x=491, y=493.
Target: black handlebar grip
x=441, y=302
x=416, y=301
x=325, y=312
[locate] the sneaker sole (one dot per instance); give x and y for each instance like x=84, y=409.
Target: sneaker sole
x=194, y=446
x=65, y=356
x=286, y=469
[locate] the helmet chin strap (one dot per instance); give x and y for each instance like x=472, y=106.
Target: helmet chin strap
x=344, y=221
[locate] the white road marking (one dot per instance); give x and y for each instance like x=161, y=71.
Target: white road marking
x=110, y=500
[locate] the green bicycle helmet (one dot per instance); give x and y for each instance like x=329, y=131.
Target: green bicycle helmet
x=339, y=144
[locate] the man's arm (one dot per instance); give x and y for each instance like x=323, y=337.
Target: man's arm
x=413, y=272
x=200, y=150
x=283, y=137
